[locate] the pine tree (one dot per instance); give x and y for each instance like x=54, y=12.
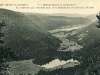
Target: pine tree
x=98, y=17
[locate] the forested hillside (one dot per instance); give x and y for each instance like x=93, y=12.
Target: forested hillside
x=25, y=38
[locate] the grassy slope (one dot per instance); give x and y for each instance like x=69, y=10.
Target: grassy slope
x=24, y=67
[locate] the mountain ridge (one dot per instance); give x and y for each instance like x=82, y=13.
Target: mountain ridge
x=50, y=22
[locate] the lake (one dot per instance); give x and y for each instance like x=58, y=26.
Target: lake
x=56, y=62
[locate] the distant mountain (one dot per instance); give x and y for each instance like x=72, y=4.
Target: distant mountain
x=69, y=15
x=59, y=14
x=25, y=38
x=50, y=22
x=92, y=17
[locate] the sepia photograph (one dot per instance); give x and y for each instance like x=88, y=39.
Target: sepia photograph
x=49, y=37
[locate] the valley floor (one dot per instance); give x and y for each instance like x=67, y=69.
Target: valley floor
x=26, y=66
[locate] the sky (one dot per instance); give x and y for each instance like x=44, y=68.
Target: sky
x=42, y=6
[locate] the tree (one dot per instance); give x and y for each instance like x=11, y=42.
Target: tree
x=98, y=17
x=5, y=54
